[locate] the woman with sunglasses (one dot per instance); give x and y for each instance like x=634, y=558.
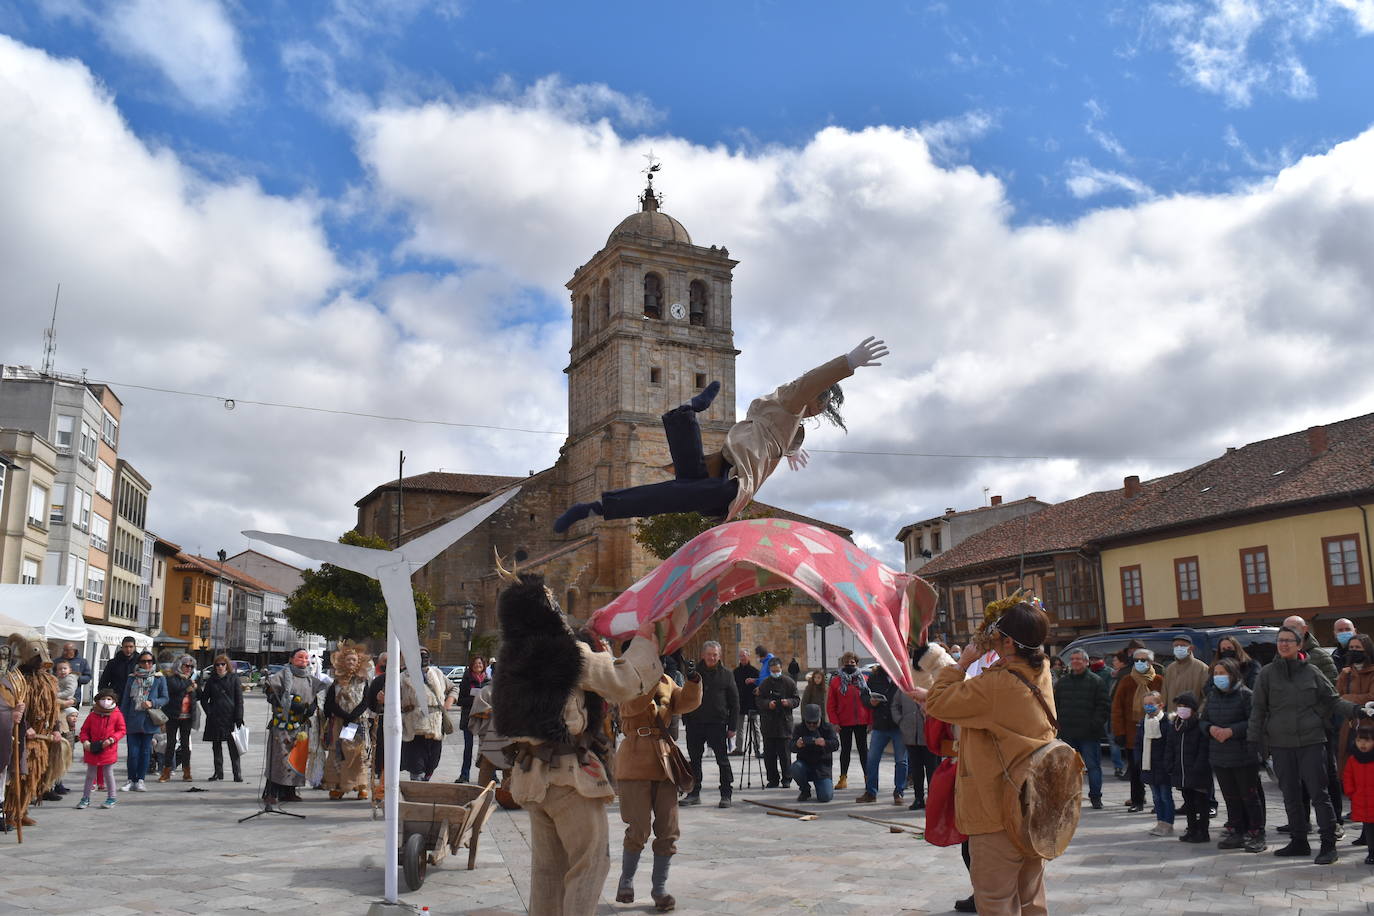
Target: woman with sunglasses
x=182, y=716
x=221, y=696
x=144, y=690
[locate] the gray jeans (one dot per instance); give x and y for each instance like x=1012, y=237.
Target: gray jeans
x=1300, y=768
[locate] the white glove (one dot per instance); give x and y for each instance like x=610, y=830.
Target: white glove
x=867, y=353
x=1368, y=709
x=798, y=460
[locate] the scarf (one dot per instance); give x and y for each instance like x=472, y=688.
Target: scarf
x=847, y=679
x=1152, y=734
x=1144, y=684
x=142, y=686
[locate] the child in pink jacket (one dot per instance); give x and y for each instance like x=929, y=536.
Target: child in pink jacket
x=100, y=736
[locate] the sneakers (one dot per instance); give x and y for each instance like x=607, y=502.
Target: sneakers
x=1162, y=828
x=1232, y=840
x=140, y=787
x=84, y=803
x=129, y=786
x=843, y=783
x=867, y=798
x=108, y=803
x=897, y=799
x=1254, y=841
x=689, y=800
x=1327, y=855
x=1096, y=803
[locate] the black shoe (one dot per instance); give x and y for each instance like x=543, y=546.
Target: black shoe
x=917, y=805
x=771, y=785
x=1096, y=803
x=703, y=399
x=1119, y=773
x=725, y=803
x=50, y=795
x=1232, y=840
x=215, y=777
x=1196, y=836
x=1298, y=847
x=1254, y=841
x=1369, y=859
x=804, y=795
x=1360, y=840
x=1306, y=830
x=966, y=905
x=1327, y=855
x=1213, y=810
x=575, y=514
x=689, y=801
x=1134, y=808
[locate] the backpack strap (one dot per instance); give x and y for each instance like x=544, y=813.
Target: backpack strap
x=1054, y=723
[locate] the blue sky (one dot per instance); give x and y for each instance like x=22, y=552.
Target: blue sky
x=291, y=201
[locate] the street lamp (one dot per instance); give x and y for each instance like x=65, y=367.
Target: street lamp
x=823, y=619
x=266, y=644
x=468, y=624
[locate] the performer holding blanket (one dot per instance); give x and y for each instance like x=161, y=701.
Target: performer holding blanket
x=724, y=483
x=551, y=702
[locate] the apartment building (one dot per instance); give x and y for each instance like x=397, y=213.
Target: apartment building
x=128, y=544
x=28, y=468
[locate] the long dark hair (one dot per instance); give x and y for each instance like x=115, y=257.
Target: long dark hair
x=1242, y=657
x=1232, y=670
x=1027, y=626
x=834, y=400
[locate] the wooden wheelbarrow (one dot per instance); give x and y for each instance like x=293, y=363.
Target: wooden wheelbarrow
x=439, y=818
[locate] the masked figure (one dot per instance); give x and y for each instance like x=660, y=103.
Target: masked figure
x=346, y=736
x=38, y=762
x=294, y=693
x=14, y=692
x=552, y=703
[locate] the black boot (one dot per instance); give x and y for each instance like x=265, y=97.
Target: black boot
x=574, y=515
x=1327, y=855
x=1297, y=846
x=701, y=401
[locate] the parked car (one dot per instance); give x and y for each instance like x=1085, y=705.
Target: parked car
x=455, y=673
x=1258, y=642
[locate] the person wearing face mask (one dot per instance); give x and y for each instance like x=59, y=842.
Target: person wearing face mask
x=1230, y=648
x=144, y=690
x=1292, y=705
x=1185, y=674
x=1356, y=684
x=777, y=697
x=1128, y=708
x=847, y=711
x=1235, y=761
x=1344, y=631
x=1189, y=766
x=1153, y=758
x=100, y=735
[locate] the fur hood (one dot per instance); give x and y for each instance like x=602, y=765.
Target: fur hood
x=539, y=662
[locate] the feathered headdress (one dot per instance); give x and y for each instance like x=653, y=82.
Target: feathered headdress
x=993, y=611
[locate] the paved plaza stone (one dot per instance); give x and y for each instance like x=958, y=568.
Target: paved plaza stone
x=173, y=851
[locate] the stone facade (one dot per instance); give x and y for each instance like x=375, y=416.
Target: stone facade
x=651, y=315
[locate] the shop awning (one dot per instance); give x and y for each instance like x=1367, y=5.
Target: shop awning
x=50, y=609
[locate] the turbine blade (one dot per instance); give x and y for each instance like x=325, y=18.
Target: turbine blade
x=429, y=545
x=400, y=606
x=363, y=560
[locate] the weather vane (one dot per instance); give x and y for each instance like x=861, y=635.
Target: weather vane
x=649, y=200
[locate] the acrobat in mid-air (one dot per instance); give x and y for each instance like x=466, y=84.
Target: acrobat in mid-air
x=723, y=483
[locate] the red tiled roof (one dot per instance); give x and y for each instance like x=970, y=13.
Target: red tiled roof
x=1271, y=474
x=185, y=561
x=444, y=482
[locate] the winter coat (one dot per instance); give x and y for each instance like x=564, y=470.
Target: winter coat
x=1293, y=701
x=1160, y=770
x=102, y=727
x=1250, y=672
x=178, y=687
x=999, y=720
x=1080, y=701
x=426, y=719
x=1357, y=686
x=745, y=691
x=1128, y=705
x=1317, y=656
x=644, y=720
x=80, y=667
x=910, y=718
x=1189, y=767
x=1358, y=781
x=1229, y=709
x=844, y=708
x=221, y=696
x=1191, y=675
x=881, y=689
x=719, y=699
x=776, y=722
x=469, y=686
x=137, y=721
x=814, y=693
x=117, y=670
x=815, y=755
x=772, y=428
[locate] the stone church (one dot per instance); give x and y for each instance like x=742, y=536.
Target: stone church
x=652, y=325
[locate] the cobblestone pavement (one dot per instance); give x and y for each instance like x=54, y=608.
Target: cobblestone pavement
x=173, y=851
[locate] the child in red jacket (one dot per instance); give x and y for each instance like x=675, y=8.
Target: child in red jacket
x=1358, y=780
x=100, y=736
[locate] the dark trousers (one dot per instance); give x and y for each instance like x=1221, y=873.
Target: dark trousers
x=420, y=756
x=777, y=760
x=1133, y=773
x=1198, y=809
x=1299, y=769
x=467, y=756
x=178, y=751
x=217, y=747
x=857, y=735
x=699, y=736
x=921, y=764
x=1333, y=778
x=691, y=490
x=1244, y=796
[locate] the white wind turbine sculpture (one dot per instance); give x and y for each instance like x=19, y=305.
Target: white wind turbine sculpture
x=393, y=569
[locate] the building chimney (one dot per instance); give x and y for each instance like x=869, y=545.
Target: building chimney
x=1132, y=486
x=949, y=510
x=1317, y=442
x=997, y=500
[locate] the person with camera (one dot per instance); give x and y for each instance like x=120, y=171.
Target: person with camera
x=777, y=697
x=747, y=719
x=814, y=742
x=712, y=723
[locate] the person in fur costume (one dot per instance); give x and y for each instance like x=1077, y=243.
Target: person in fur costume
x=39, y=765
x=348, y=751
x=645, y=782
x=551, y=702
x=14, y=692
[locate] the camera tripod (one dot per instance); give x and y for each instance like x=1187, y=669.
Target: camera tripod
x=751, y=750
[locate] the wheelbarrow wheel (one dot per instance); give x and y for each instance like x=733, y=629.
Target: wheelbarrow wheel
x=414, y=859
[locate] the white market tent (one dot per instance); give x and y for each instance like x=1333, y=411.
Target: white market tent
x=8, y=626
x=52, y=610
x=104, y=642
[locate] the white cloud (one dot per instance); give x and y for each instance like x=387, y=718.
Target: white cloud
x=1235, y=48
x=1130, y=341
x=949, y=138
x=1105, y=139
x=1086, y=180
x=192, y=43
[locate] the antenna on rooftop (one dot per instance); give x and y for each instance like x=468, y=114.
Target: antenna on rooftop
x=50, y=335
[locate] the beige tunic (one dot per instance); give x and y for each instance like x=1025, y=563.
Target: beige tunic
x=617, y=680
